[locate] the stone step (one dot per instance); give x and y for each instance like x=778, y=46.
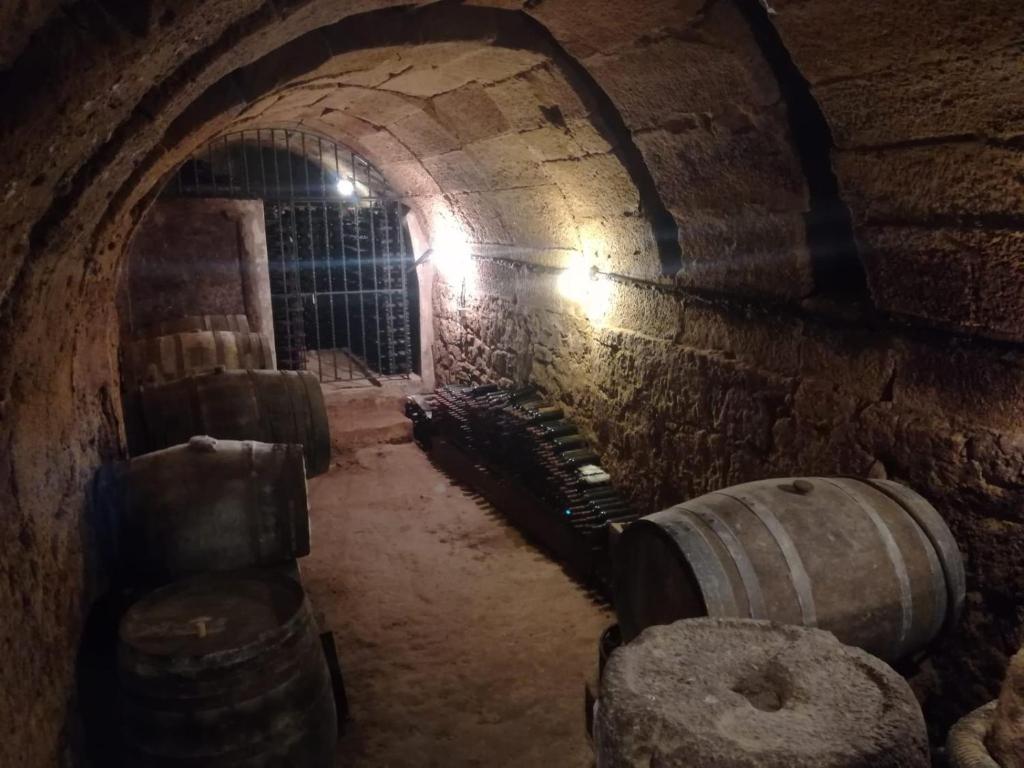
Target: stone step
x=361, y=418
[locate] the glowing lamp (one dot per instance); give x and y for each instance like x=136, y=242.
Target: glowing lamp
x=452, y=255
x=583, y=285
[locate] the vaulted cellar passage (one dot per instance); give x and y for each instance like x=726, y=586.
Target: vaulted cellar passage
x=507, y=321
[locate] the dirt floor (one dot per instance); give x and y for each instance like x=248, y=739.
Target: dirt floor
x=461, y=644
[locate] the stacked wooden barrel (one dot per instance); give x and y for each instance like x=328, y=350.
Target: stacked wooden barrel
x=211, y=505
x=221, y=662
x=226, y=670
x=209, y=375
x=869, y=560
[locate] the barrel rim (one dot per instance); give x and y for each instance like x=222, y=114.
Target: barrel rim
x=319, y=426
x=301, y=615
x=198, y=322
x=922, y=512
x=637, y=528
x=133, y=478
x=945, y=563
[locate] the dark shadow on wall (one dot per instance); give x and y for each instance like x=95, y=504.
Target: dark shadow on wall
x=91, y=732
x=835, y=257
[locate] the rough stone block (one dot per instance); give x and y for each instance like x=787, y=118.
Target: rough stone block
x=953, y=97
x=409, y=179
x=286, y=63
x=507, y=162
x=382, y=147
x=479, y=218
x=655, y=84
x=425, y=81
x=933, y=183
x=538, y=217
x=391, y=62
x=470, y=113
x=955, y=379
x=621, y=244
x=609, y=26
x=488, y=64
x=833, y=39
x=596, y=186
x=967, y=278
x=341, y=125
x=423, y=135
x=749, y=252
x=377, y=107
x=538, y=97
x=579, y=137
x=716, y=167
x=551, y=142
x=458, y=171
x=294, y=102
x=518, y=104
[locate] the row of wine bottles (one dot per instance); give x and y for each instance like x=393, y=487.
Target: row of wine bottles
x=527, y=436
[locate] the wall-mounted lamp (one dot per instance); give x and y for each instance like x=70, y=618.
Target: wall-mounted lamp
x=582, y=284
x=451, y=255
x=346, y=187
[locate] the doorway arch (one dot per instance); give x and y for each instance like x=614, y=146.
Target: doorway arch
x=343, y=284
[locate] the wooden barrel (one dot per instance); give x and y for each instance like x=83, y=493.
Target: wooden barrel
x=225, y=671
x=268, y=406
x=237, y=323
x=869, y=560
x=211, y=505
x=167, y=358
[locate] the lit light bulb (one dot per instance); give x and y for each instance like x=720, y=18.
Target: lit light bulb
x=346, y=188
x=583, y=285
x=451, y=253
x=574, y=282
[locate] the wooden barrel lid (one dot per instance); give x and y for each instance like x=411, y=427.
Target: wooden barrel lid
x=213, y=614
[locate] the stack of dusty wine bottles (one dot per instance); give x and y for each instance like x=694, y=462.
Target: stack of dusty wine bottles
x=220, y=659
x=535, y=465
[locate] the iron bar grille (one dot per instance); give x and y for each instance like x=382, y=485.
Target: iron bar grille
x=342, y=283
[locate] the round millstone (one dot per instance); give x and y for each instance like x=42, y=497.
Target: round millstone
x=726, y=693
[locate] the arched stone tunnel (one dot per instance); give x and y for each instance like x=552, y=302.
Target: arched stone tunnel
x=809, y=214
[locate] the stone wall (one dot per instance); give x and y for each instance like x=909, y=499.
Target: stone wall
x=634, y=130
x=683, y=396
x=924, y=102
x=198, y=257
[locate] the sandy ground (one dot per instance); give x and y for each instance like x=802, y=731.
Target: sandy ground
x=461, y=644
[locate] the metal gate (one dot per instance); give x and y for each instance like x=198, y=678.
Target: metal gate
x=342, y=282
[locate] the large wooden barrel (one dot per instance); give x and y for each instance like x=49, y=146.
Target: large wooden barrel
x=225, y=671
x=211, y=505
x=869, y=560
x=268, y=406
x=167, y=358
x=237, y=323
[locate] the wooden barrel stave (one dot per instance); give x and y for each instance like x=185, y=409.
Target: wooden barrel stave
x=174, y=356
x=267, y=406
x=848, y=555
x=211, y=505
x=944, y=545
x=225, y=671
x=237, y=323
